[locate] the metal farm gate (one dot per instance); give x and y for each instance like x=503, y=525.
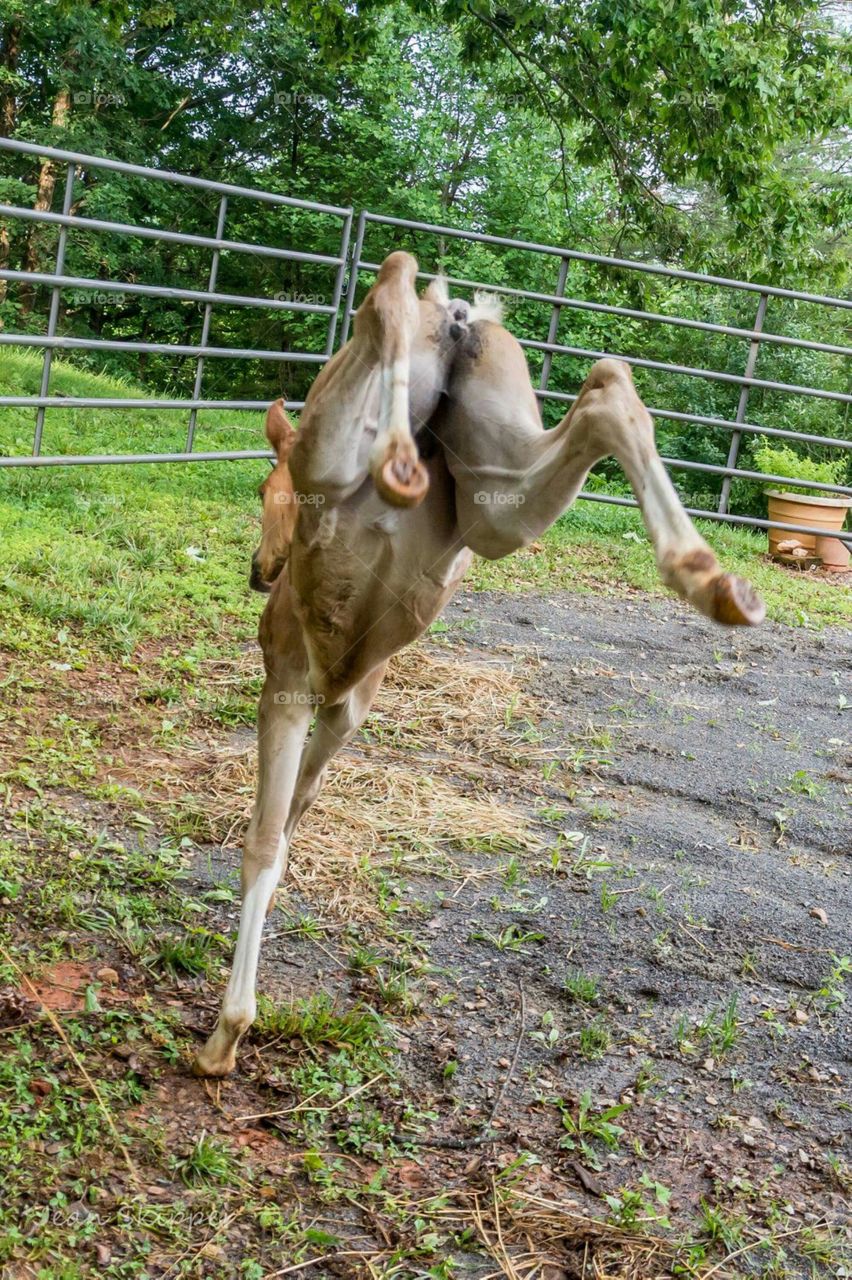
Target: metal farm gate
x=349, y=273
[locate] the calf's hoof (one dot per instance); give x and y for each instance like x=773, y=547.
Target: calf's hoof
x=736, y=603
x=206, y=1065
x=402, y=480
x=219, y=1055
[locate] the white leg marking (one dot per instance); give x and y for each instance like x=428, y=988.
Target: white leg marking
x=239, y=1004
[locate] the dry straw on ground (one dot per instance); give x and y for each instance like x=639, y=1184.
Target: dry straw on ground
x=421, y=788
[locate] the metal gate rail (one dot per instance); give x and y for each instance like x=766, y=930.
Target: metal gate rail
x=218, y=244
x=352, y=258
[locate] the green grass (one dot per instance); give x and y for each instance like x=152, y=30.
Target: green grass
x=117, y=555
x=316, y=1021
x=717, y=1033
x=594, y=1040
x=581, y=987
x=584, y=1126
x=191, y=953
x=207, y=1161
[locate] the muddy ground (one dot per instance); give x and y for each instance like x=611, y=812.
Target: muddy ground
x=673, y=944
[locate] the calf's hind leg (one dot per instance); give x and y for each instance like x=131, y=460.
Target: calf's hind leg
x=513, y=478
x=366, y=389
x=336, y=725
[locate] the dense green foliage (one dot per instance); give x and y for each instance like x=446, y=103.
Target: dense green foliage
x=704, y=133
x=781, y=460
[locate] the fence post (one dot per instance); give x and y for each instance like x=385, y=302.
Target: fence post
x=205, y=326
x=56, y=293
x=553, y=328
x=751, y=361
x=338, y=283
x=353, y=277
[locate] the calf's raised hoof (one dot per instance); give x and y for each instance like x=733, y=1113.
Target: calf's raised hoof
x=402, y=481
x=735, y=602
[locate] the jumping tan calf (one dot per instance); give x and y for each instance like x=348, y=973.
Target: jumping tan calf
x=420, y=443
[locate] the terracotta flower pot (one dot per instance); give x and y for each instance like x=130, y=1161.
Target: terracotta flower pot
x=835, y=554
x=826, y=513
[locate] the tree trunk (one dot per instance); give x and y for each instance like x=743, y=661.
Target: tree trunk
x=9, y=50
x=44, y=198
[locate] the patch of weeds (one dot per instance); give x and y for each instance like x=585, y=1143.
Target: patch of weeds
x=317, y=1021
x=600, y=737
x=831, y=996
x=737, y=1082
x=776, y=1027
x=657, y=896
x=581, y=760
x=524, y=901
x=146, y=868
x=304, y=926
x=802, y=784
x=824, y=1246
x=631, y=1208
x=334, y=1093
x=594, y=1040
x=208, y=1161
x=840, y=1171
x=324, y=1174
x=68, y=756
x=551, y=813
x=50, y=1128
x=780, y=822
x=599, y=811
x=585, y=1126
x=548, y=1033
x=394, y=991
x=609, y=897
x=513, y=873
x=646, y=1077
x=586, y=864
x=722, y=1227
x=513, y=938
x=718, y=1032
x=193, y=954
x=581, y=987
x=365, y=959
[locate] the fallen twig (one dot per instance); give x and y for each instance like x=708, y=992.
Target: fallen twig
x=747, y=1248
x=455, y=1144
x=302, y=1106
x=794, y=946
x=519, y=1041
x=313, y=1262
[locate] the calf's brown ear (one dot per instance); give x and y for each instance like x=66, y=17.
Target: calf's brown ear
x=280, y=431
